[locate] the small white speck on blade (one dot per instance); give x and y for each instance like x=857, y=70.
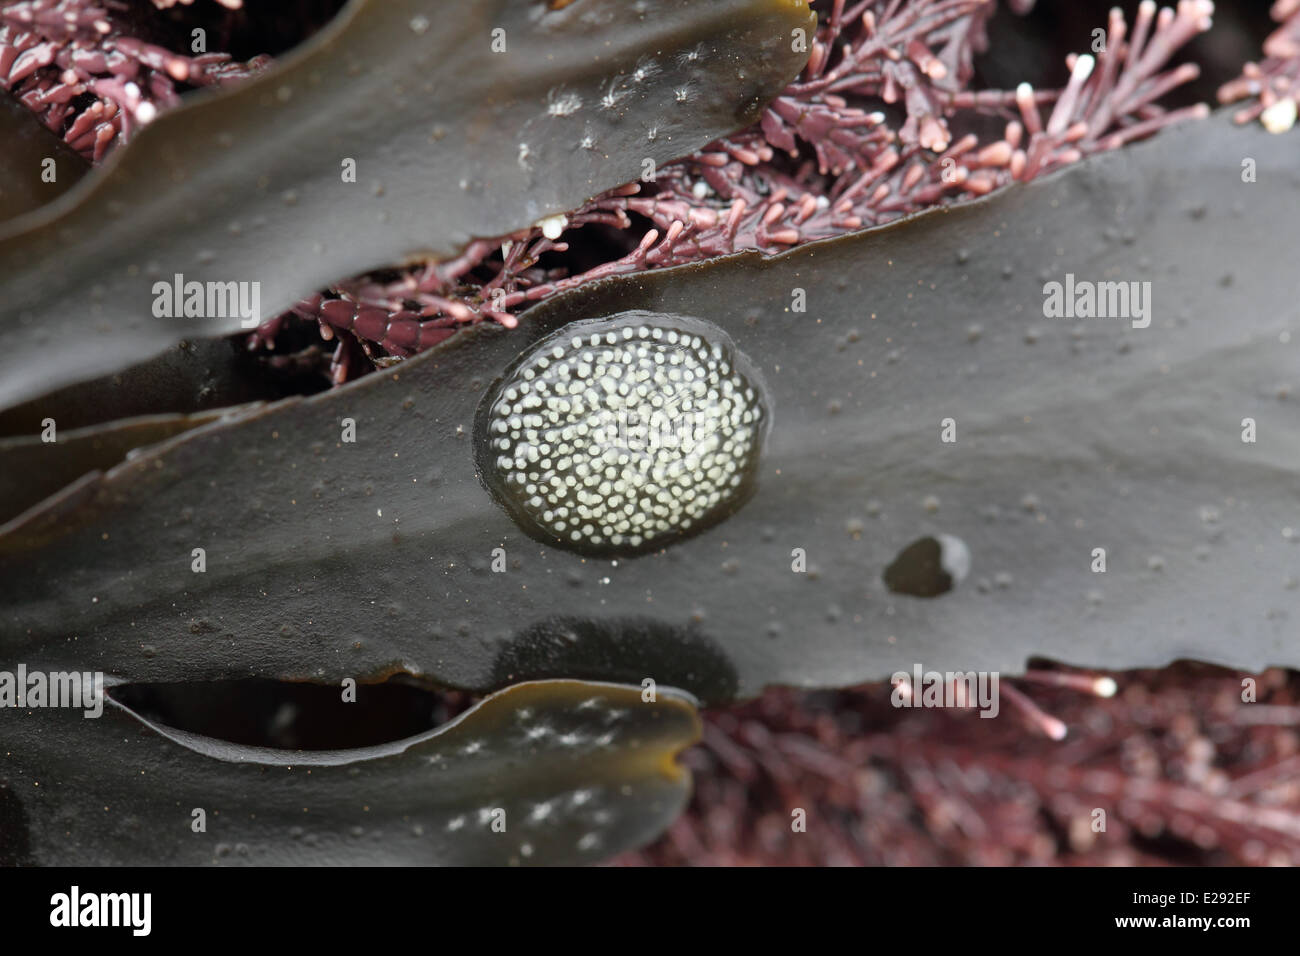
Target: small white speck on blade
x=1279, y=117
x=380, y=512
x=553, y=226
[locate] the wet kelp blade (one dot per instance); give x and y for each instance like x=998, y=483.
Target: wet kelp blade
x=561, y=772
x=402, y=129
x=33, y=468
x=1071, y=435
x=36, y=166
x=195, y=376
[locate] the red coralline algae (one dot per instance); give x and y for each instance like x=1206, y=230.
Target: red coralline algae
x=1272, y=87
x=820, y=163
x=1183, y=769
x=862, y=137
x=76, y=65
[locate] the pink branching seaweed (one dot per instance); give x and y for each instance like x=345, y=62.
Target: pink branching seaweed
x=865, y=135
x=75, y=64
x=1184, y=771
x=825, y=159
x=1271, y=87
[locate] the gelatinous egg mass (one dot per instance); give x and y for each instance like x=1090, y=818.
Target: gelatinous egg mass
x=621, y=435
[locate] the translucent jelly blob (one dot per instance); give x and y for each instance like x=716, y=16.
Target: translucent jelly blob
x=622, y=435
